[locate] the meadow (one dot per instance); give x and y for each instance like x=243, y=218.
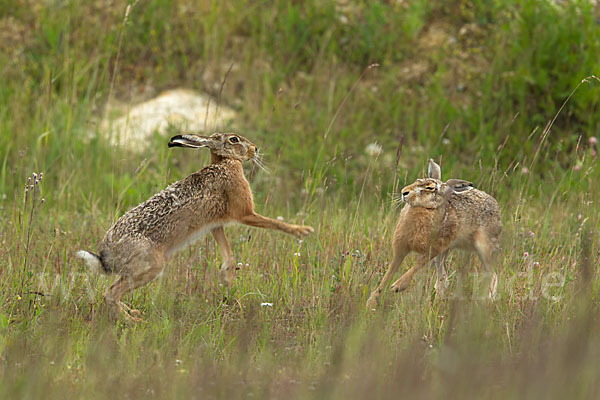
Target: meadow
x=348, y=100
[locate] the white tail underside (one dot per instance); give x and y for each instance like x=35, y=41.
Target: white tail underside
x=92, y=261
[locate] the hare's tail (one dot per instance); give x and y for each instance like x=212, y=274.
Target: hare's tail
x=93, y=261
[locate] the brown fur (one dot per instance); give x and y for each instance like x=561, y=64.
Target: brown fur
x=138, y=246
x=438, y=217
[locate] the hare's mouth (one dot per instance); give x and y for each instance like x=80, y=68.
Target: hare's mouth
x=257, y=159
x=397, y=200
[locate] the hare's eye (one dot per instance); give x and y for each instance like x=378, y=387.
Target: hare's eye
x=430, y=188
x=405, y=193
x=234, y=139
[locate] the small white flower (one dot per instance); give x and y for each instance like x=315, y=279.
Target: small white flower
x=373, y=149
x=240, y=264
x=296, y=254
x=266, y=304
x=445, y=141
x=279, y=218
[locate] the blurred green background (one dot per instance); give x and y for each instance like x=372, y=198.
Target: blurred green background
x=471, y=82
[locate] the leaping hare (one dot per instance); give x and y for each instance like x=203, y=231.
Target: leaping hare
x=440, y=216
x=140, y=243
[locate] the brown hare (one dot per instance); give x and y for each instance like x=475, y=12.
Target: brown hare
x=138, y=246
x=440, y=216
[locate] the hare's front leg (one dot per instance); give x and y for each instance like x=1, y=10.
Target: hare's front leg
x=403, y=282
x=260, y=221
x=398, y=257
x=227, y=271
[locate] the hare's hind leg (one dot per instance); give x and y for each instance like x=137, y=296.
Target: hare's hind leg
x=484, y=247
x=117, y=307
x=227, y=271
x=112, y=298
x=441, y=283
x=399, y=255
x=142, y=272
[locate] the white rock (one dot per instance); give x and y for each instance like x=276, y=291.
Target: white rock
x=184, y=109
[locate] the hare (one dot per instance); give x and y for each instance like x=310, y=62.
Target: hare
x=440, y=216
x=138, y=246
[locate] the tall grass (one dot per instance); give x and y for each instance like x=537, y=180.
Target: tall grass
x=471, y=83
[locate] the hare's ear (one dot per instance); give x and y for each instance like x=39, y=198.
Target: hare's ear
x=434, y=171
x=459, y=185
x=445, y=189
x=193, y=141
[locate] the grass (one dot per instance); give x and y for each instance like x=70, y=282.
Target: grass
x=294, y=324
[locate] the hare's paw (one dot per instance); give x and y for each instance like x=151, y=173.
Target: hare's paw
x=400, y=285
x=227, y=273
x=121, y=312
x=134, y=316
x=441, y=287
x=303, y=230
x=130, y=315
x=372, y=303
x=493, y=288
